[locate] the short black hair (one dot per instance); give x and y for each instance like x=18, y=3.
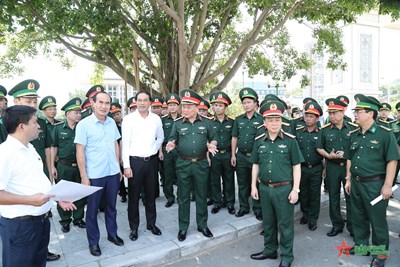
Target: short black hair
x=375, y=116
x=95, y=96
x=15, y=115
x=143, y=92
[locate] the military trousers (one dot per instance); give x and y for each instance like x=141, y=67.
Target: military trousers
x=335, y=178
x=243, y=173
x=71, y=174
x=310, y=192
x=366, y=216
x=222, y=170
x=169, y=165
x=192, y=175
x=278, y=215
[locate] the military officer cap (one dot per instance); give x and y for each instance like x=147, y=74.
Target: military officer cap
x=173, y=98
x=164, y=105
x=248, y=92
x=115, y=107
x=27, y=88
x=132, y=102
x=385, y=106
x=335, y=104
x=366, y=102
x=344, y=99
x=295, y=110
x=273, y=108
x=73, y=104
x=398, y=106
x=271, y=97
x=3, y=92
x=188, y=96
x=308, y=100
x=156, y=101
x=85, y=104
x=94, y=90
x=313, y=108
x=47, y=101
x=220, y=97
x=204, y=104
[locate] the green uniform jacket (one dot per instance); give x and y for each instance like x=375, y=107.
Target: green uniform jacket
x=64, y=139
x=224, y=132
x=168, y=122
x=44, y=139
x=3, y=132
x=308, y=144
x=245, y=130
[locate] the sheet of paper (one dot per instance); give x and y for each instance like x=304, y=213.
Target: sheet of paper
x=69, y=191
x=376, y=200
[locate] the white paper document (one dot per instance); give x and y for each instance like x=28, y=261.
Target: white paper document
x=376, y=200
x=69, y=191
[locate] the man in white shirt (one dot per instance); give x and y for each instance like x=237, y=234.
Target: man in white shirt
x=24, y=205
x=142, y=136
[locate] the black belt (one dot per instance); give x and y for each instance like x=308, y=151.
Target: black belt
x=340, y=162
x=32, y=217
x=310, y=165
x=275, y=185
x=369, y=179
x=144, y=158
x=67, y=163
x=248, y=154
x=193, y=159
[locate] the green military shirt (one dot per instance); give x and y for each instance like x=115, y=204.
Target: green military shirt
x=191, y=138
x=245, y=130
x=331, y=137
x=370, y=152
x=298, y=122
x=44, y=139
x=224, y=132
x=167, y=122
x=276, y=158
x=50, y=126
x=308, y=144
x=3, y=132
x=64, y=139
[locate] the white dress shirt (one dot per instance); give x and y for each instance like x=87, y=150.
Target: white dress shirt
x=141, y=137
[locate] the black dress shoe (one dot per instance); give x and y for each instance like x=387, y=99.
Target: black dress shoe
x=231, y=210
x=133, y=235
x=241, y=213
x=95, y=250
x=52, y=256
x=169, y=203
x=312, y=226
x=303, y=220
x=154, y=229
x=377, y=263
x=205, y=231
x=284, y=264
x=80, y=223
x=260, y=256
x=352, y=252
x=123, y=199
x=215, y=209
x=258, y=215
x=334, y=232
x=210, y=202
x=116, y=240
x=181, y=235
x=65, y=228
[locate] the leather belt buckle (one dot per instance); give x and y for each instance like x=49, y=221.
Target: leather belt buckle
x=194, y=160
x=74, y=164
x=341, y=164
x=248, y=154
x=358, y=178
x=270, y=185
x=222, y=151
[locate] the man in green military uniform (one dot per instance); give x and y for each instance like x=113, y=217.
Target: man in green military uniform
x=276, y=166
x=204, y=106
x=25, y=94
x=86, y=108
x=384, y=113
x=221, y=163
x=311, y=168
x=132, y=105
x=299, y=121
x=67, y=168
x=333, y=144
x=193, y=136
x=3, y=105
x=243, y=134
x=169, y=159
x=365, y=181
x=156, y=105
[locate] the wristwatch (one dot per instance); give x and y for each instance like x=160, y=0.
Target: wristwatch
x=296, y=190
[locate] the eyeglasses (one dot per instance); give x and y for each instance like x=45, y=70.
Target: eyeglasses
x=358, y=111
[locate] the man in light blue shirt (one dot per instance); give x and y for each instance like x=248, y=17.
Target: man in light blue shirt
x=97, y=153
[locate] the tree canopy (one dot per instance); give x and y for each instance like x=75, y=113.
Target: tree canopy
x=173, y=44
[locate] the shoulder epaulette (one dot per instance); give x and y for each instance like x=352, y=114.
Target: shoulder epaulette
x=206, y=117
x=166, y=115
x=293, y=119
x=301, y=127
x=288, y=134
x=41, y=117
x=177, y=119
x=326, y=125
x=58, y=123
x=385, y=128
x=285, y=123
x=261, y=135
x=354, y=131
x=232, y=118
x=353, y=124
x=262, y=125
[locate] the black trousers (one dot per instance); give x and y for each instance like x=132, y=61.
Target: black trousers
x=145, y=175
